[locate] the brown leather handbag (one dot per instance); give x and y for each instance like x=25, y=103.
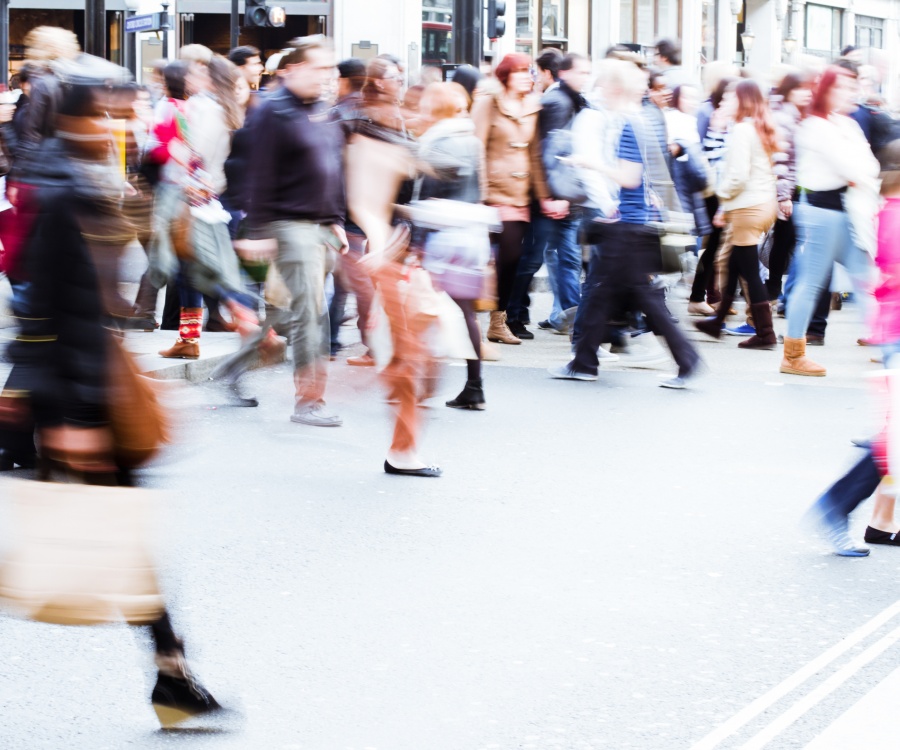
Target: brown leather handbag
x=137, y=418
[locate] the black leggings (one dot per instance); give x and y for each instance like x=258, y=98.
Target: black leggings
x=744, y=262
x=509, y=251
x=703, y=276
x=473, y=366
x=784, y=240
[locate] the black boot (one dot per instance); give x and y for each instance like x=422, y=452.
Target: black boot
x=177, y=695
x=471, y=397
x=713, y=326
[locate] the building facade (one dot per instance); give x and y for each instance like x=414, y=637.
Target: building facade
x=758, y=33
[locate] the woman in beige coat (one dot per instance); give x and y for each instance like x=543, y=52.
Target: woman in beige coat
x=747, y=201
x=507, y=125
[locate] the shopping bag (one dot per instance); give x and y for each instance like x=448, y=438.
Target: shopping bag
x=487, y=301
x=79, y=554
x=450, y=337
x=378, y=334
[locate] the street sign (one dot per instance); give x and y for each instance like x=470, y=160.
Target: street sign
x=149, y=22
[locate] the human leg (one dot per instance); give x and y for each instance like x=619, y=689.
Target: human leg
x=529, y=264
x=301, y=263
x=832, y=510
x=509, y=250
x=567, y=293
x=177, y=695
x=472, y=396
x=783, y=242
x=644, y=253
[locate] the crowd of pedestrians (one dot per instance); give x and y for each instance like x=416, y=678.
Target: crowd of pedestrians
x=265, y=196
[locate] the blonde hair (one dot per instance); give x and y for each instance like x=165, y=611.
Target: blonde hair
x=45, y=44
x=196, y=53
x=445, y=101
x=623, y=77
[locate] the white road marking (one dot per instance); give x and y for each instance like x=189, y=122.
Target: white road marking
x=870, y=722
x=823, y=691
x=746, y=715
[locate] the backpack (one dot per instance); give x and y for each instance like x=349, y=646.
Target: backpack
x=564, y=179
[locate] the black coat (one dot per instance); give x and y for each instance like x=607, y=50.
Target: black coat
x=60, y=354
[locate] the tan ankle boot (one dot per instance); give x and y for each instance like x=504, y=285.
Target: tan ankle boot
x=498, y=331
x=795, y=361
x=182, y=350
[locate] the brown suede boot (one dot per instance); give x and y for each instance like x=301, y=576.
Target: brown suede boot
x=713, y=326
x=498, y=331
x=765, y=333
x=795, y=361
x=182, y=350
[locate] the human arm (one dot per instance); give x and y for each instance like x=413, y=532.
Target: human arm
x=736, y=168
x=482, y=111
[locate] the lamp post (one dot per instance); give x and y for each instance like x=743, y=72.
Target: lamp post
x=790, y=41
x=4, y=41
x=95, y=27
x=747, y=39
x=131, y=8
x=235, y=26
x=164, y=29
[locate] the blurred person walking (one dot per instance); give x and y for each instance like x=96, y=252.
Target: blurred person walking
x=713, y=120
x=296, y=203
x=832, y=156
x=507, y=125
x=556, y=241
x=629, y=251
x=64, y=359
x=208, y=264
x=451, y=158
x=348, y=275
x=747, y=197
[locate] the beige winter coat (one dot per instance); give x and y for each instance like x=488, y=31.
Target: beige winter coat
x=515, y=175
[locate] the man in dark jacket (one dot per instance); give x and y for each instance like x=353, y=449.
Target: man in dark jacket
x=555, y=240
x=296, y=201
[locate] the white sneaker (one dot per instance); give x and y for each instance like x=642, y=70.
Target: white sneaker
x=644, y=351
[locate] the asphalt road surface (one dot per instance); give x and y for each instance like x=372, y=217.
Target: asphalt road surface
x=602, y=565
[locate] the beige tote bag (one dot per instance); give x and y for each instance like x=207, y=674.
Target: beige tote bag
x=78, y=554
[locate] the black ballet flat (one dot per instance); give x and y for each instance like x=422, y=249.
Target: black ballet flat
x=425, y=471
x=875, y=536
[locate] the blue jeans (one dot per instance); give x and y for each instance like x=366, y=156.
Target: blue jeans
x=842, y=498
x=558, y=239
x=819, y=322
x=825, y=239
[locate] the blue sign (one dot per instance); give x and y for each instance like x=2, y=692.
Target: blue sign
x=149, y=22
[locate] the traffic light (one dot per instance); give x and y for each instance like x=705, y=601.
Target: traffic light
x=257, y=14
x=496, y=26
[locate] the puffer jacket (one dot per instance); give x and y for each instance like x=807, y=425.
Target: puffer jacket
x=60, y=353
x=515, y=175
x=690, y=175
x=452, y=160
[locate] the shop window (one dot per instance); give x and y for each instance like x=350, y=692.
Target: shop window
x=823, y=30
x=710, y=21
x=644, y=21
x=869, y=32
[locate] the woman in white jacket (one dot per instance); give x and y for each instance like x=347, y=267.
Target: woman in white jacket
x=832, y=156
x=747, y=200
